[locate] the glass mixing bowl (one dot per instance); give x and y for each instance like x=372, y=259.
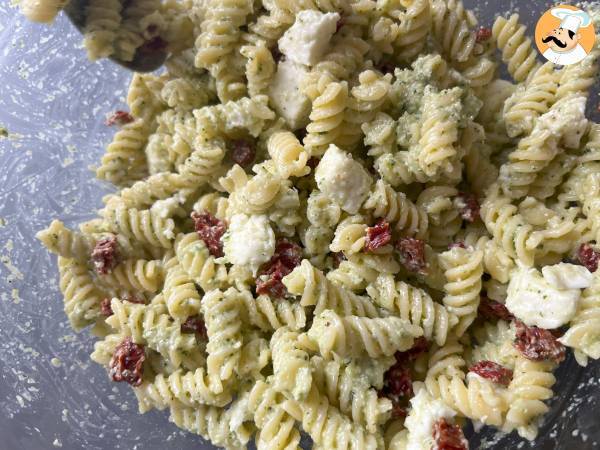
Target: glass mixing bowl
x=53, y=103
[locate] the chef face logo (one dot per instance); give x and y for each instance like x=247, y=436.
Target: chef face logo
x=565, y=35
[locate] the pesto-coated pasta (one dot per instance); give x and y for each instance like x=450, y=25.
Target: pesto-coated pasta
x=335, y=217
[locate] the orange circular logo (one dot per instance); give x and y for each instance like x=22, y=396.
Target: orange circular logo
x=565, y=35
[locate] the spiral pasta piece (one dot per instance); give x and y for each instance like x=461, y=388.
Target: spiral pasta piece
x=327, y=116
x=477, y=399
x=101, y=28
x=577, y=79
x=138, y=275
x=531, y=385
x=189, y=388
x=197, y=262
x=453, y=29
x=125, y=159
x=443, y=216
x=181, y=296
x=291, y=367
x=517, y=50
x=414, y=305
x=347, y=388
x=356, y=336
x=415, y=24
x=81, y=297
x=260, y=68
x=463, y=269
x=316, y=290
x=66, y=243
x=439, y=131
x=329, y=428
x=277, y=431
x=222, y=318
x=144, y=226
x=212, y=423
x=407, y=218
x=527, y=104
x=288, y=155
x=152, y=326
x=582, y=334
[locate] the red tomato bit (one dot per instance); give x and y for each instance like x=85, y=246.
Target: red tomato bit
x=287, y=256
x=468, y=206
x=127, y=362
x=588, y=257
x=490, y=309
x=242, y=152
x=210, y=229
x=412, y=254
x=448, y=437
x=378, y=236
x=194, y=324
x=104, y=255
x=492, y=371
x=118, y=118
x=538, y=344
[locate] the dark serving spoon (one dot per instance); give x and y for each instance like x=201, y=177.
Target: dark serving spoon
x=145, y=59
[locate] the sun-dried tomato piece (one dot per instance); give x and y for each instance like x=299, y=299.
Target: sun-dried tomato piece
x=289, y=253
x=412, y=254
x=379, y=235
x=459, y=244
x=127, y=362
x=492, y=371
x=468, y=206
x=492, y=310
x=483, y=34
x=194, y=324
x=287, y=256
x=447, y=436
x=118, y=118
x=105, y=308
x=588, y=257
x=243, y=152
x=340, y=23
x=538, y=344
x=398, y=381
x=420, y=346
x=211, y=230
x=104, y=255
x=269, y=283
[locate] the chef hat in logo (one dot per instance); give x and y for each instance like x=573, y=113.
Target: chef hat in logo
x=571, y=20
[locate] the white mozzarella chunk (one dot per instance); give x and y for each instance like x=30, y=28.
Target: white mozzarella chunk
x=566, y=120
x=543, y=301
x=286, y=94
x=567, y=276
x=249, y=241
x=306, y=41
x=342, y=179
x=424, y=412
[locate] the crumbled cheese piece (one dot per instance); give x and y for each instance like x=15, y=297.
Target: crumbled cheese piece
x=342, y=179
x=306, y=41
x=249, y=241
x=425, y=411
x=567, y=276
x=566, y=120
x=286, y=94
x=542, y=301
